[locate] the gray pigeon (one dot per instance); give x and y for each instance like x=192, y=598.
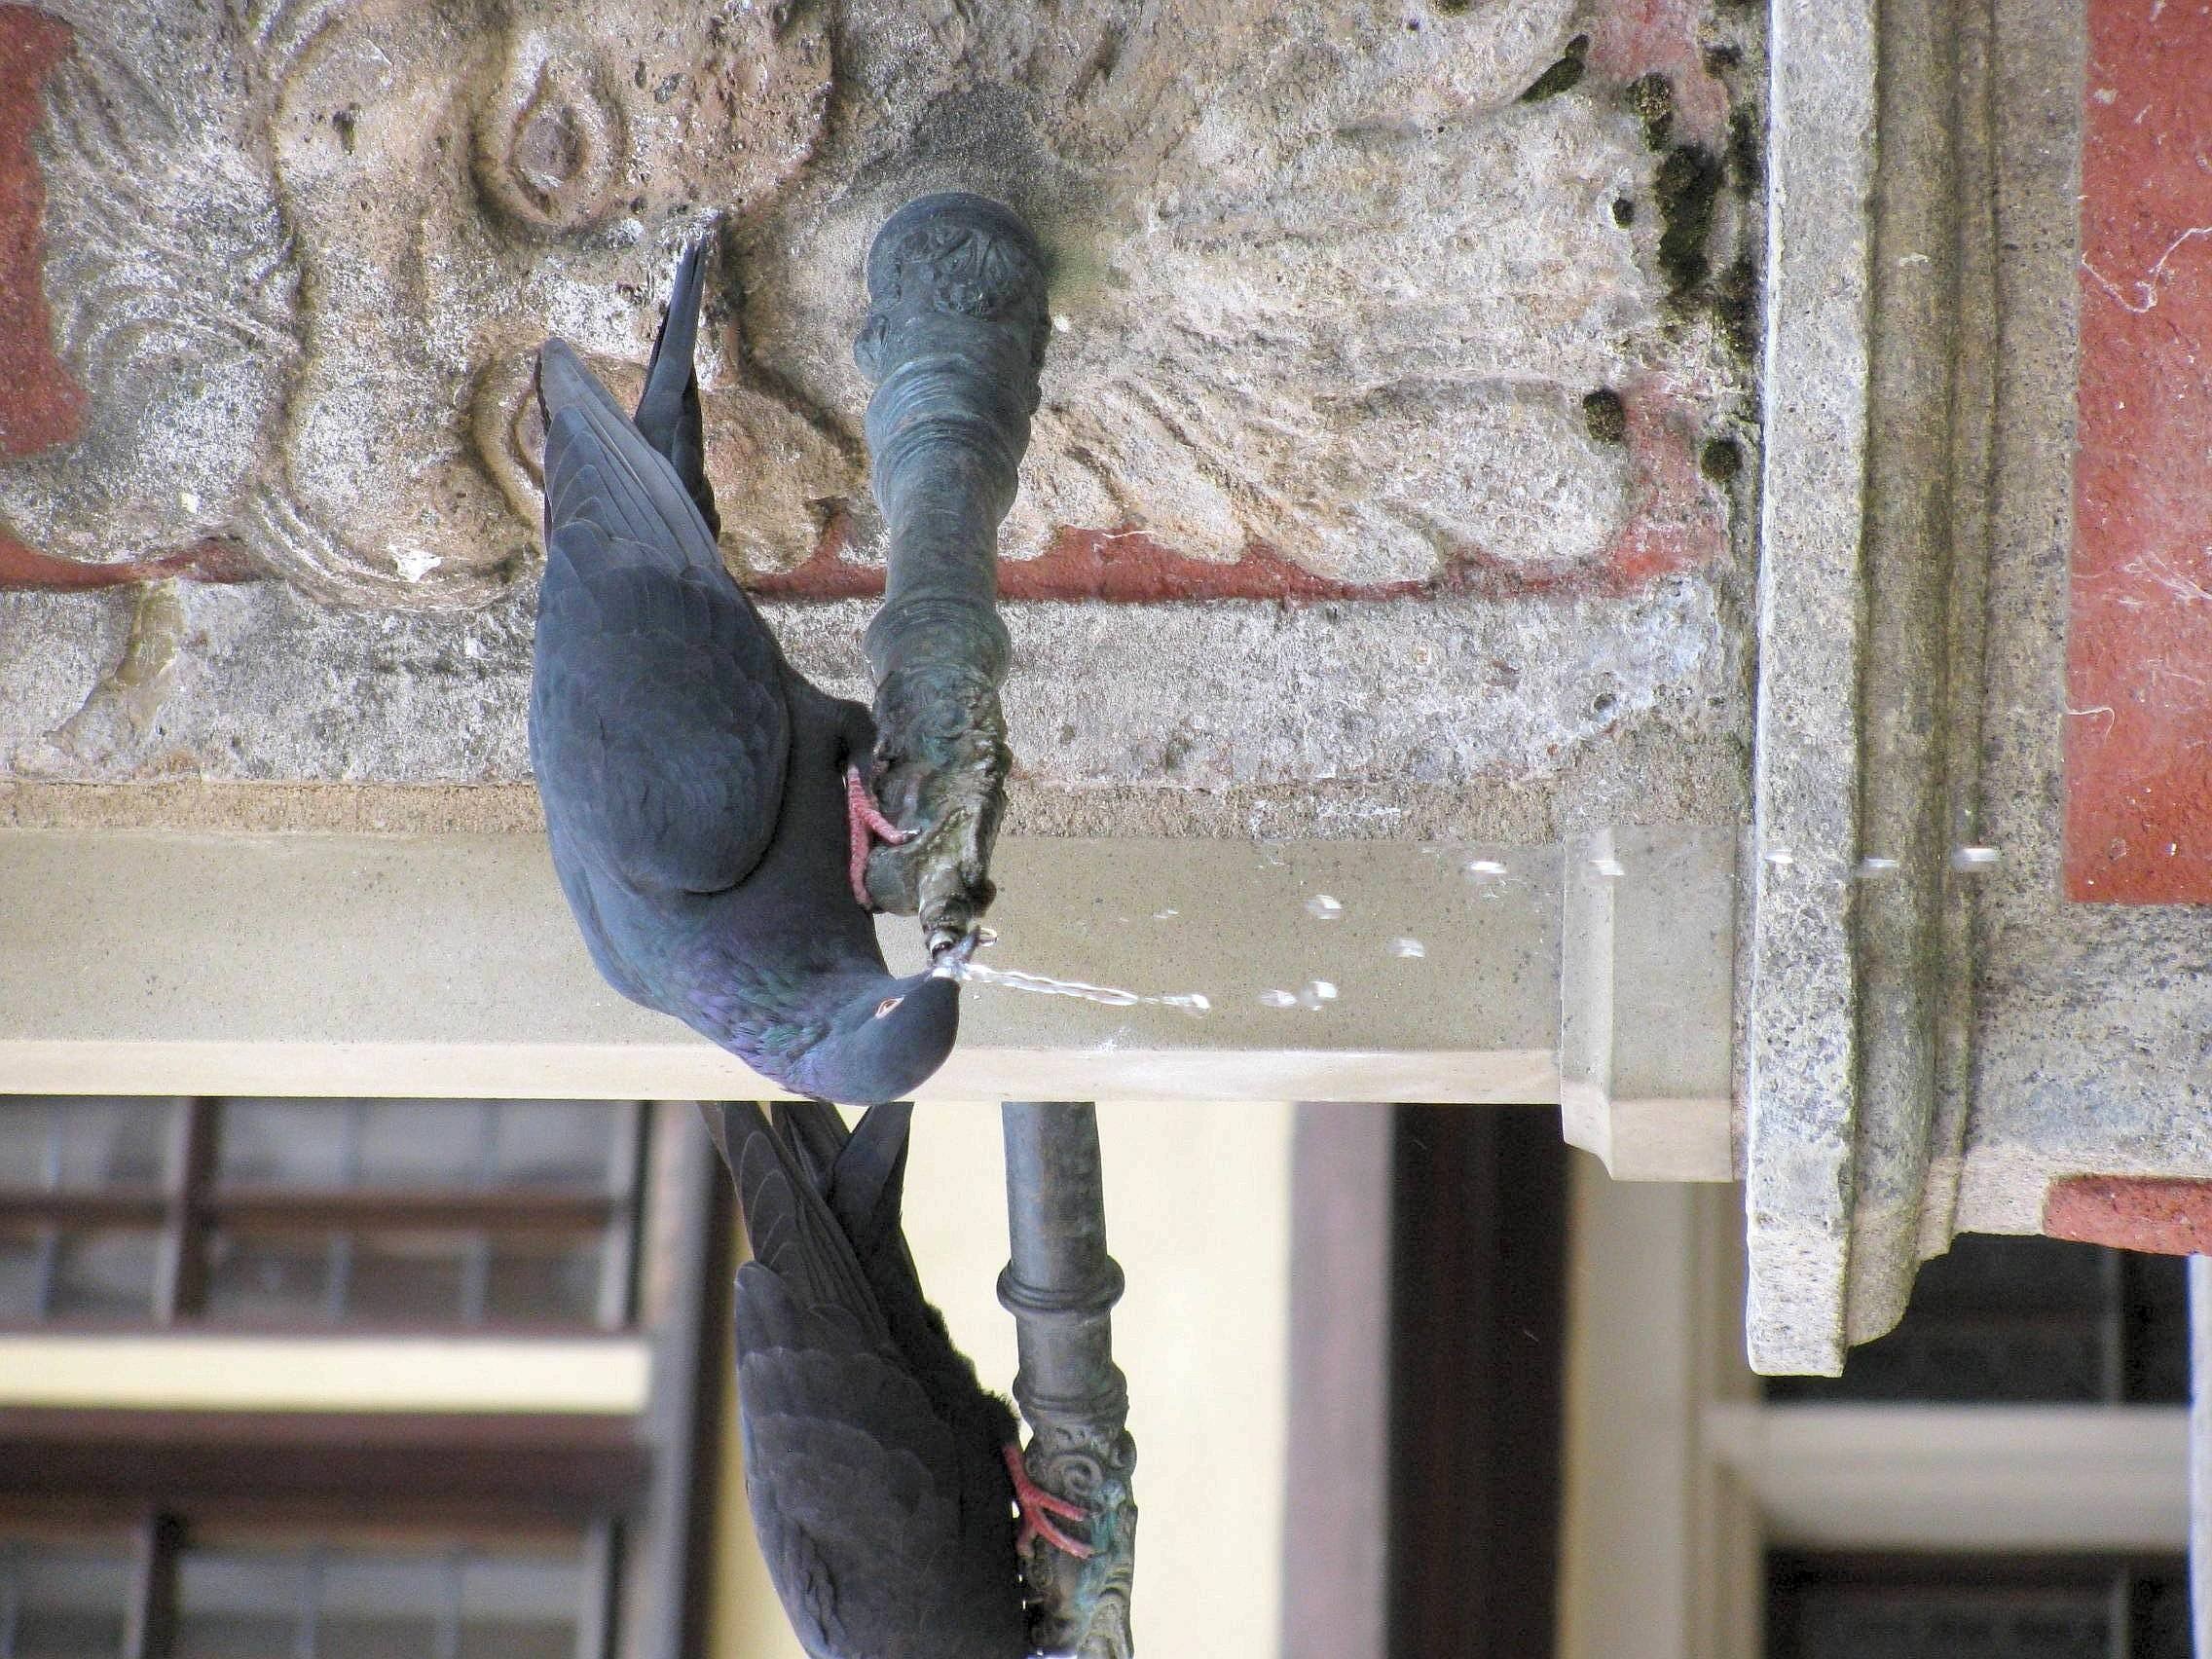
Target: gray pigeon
x=708, y=807
x=883, y=1479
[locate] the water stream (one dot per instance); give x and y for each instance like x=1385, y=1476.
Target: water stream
x=1111, y=996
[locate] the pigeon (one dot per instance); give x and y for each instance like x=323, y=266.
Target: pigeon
x=707, y=806
x=884, y=1481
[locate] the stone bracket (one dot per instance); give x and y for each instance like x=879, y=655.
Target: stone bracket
x=1646, y=940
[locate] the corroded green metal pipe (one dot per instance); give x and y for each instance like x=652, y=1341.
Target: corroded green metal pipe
x=1060, y=1285
x=954, y=341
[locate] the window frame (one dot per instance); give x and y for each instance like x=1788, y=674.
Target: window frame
x=186, y=1210
x=636, y=1483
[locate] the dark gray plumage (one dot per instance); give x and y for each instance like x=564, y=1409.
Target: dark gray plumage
x=877, y=1466
x=695, y=784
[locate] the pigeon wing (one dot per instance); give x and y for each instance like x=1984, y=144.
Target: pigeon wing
x=659, y=725
x=854, y=1482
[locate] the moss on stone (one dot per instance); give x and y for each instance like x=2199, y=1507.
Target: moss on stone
x=1688, y=181
x=1606, y=417
x=1721, y=460
x=1651, y=99
x=1736, y=308
x=1561, y=76
x=1746, y=162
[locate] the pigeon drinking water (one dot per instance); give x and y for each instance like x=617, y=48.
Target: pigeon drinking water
x=883, y=1479
x=708, y=806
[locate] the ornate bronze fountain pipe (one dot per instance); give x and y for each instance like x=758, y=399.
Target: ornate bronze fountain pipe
x=1061, y=1286
x=954, y=340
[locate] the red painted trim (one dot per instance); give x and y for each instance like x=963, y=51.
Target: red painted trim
x=2139, y=649
x=39, y=405
x=1633, y=38
x=213, y=560
x=1676, y=522
x=2132, y=1213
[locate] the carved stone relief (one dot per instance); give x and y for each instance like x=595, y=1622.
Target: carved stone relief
x=297, y=252
x=1334, y=284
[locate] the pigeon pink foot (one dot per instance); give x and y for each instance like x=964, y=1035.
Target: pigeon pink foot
x=1036, y=1505
x=869, y=825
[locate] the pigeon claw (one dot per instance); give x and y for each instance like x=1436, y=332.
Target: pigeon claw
x=868, y=826
x=1036, y=1505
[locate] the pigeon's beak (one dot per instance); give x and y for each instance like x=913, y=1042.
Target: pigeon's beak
x=950, y=957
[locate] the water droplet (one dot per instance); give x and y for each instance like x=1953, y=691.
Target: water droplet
x=1279, y=999
x=1610, y=867
x=1974, y=858
x=1315, y=993
x=1483, y=869
x=1405, y=947
x=1781, y=858
x=1874, y=869
x=1322, y=907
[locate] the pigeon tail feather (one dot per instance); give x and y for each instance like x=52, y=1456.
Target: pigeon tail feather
x=869, y=1188
x=816, y=1131
x=668, y=409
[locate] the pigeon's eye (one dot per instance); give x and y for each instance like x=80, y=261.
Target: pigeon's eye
x=887, y=1004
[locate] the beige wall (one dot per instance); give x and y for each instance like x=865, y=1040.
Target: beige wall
x=1660, y=1547
x=1199, y=1216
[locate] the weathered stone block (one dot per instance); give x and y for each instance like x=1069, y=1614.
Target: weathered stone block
x=1331, y=290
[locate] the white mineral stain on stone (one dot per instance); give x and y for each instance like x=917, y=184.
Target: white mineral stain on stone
x=414, y=563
